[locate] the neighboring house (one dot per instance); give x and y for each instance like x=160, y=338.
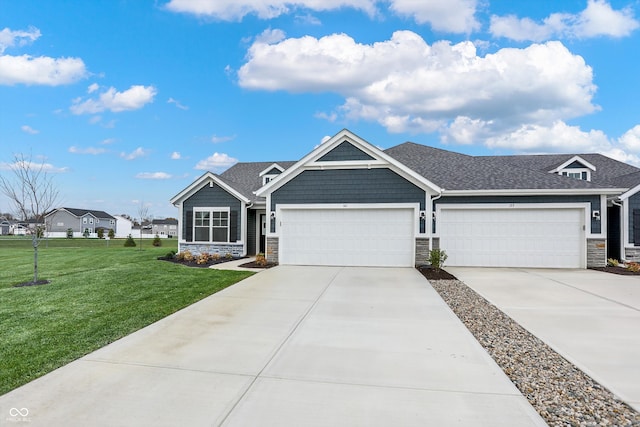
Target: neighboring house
x=351, y=203
x=164, y=227
x=80, y=221
x=5, y=226
x=124, y=227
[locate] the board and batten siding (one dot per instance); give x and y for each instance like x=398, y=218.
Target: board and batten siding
x=345, y=152
x=212, y=197
x=594, y=200
x=347, y=186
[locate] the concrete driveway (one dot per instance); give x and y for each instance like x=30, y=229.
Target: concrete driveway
x=589, y=317
x=291, y=346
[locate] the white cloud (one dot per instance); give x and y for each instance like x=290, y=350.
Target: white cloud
x=108, y=141
x=134, y=98
x=42, y=70
x=177, y=104
x=45, y=167
x=219, y=139
x=631, y=139
x=456, y=16
x=175, y=156
x=10, y=38
x=93, y=87
x=216, y=161
x=138, y=152
x=236, y=10
x=153, y=175
x=408, y=85
x=598, y=19
x=29, y=70
x=88, y=150
x=29, y=130
x=307, y=19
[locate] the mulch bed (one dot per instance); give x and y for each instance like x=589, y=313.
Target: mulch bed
x=431, y=273
x=254, y=264
x=195, y=264
x=616, y=270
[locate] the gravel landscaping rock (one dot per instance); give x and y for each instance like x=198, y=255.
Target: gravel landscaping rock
x=561, y=393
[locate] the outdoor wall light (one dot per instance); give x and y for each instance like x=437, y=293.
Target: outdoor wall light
x=423, y=215
x=273, y=215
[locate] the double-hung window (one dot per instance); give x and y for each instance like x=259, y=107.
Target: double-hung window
x=211, y=225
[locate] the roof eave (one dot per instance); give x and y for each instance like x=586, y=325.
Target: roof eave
x=534, y=192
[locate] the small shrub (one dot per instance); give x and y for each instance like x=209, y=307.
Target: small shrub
x=85, y=233
x=203, y=258
x=157, y=241
x=633, y=266
x=437, y=257
x=170, y=255
x=613, y=262
x=129, y=243
x=100, y=233
x=69, y=233
x=111, y=234
x=261, y=260
x=228, y=256
x=184, y=256
x=215, y=257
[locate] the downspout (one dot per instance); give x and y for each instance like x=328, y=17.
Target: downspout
x=433, y=199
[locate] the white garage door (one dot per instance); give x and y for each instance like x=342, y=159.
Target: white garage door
x=546, y=238
x=350, y=237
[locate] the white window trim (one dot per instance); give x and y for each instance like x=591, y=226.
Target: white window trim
x=576, y=170
x=211, y=227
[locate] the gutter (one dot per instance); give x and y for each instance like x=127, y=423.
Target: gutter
x=431, y=222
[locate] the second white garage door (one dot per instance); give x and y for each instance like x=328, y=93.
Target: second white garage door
x=350, y=237
x=545, y=238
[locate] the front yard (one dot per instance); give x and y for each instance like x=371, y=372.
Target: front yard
x=96, y=295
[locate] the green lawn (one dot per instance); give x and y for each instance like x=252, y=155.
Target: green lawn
x=97, y=294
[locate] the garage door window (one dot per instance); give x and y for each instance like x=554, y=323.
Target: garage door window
x=211, y=225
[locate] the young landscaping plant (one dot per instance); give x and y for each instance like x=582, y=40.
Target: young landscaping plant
x=437, y=257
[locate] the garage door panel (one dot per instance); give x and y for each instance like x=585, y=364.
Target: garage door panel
x=354, y=237
x=513, y=237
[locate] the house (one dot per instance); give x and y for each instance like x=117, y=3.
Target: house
x=167, y=227
x=124, y=226
x=5, y=226
x=351, y=203
x=79, y=221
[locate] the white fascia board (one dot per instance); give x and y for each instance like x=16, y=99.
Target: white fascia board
x=630, y=192
x=210, y=178
x=571, y=160
x=274, y=165
x=380, y=159
x=534, y=192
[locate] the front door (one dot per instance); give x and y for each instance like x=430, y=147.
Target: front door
x=263, y=232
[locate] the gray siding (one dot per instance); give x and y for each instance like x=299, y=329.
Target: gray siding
x=273, y=171
x=212, y=197
x=343, y=152
x=594, y=200
x=634, y=203
x=348, y=186
x=66, y=220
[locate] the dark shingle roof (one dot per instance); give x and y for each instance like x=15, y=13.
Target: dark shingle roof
x=455, y=171
x=81, y=212
x=245, y=177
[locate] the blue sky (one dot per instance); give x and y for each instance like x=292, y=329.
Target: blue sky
x=126, y=102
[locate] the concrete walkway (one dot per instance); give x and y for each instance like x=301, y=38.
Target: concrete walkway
x=291, y=346
x=591, y=318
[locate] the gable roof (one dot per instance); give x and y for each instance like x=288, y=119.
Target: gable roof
x=210, y=178
x=369, y=157
x=246, y=176
x=82, y=212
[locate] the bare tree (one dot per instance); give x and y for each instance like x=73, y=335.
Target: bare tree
x=32, y=192
x=143, y=212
